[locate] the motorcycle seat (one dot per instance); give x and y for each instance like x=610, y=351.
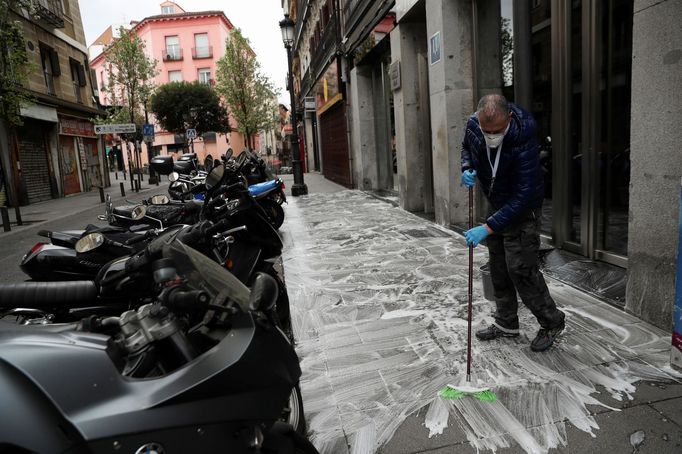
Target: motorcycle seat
x=47, y=294
x=260, y=188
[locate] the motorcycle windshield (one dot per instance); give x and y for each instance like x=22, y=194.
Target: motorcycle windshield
x=205, y=274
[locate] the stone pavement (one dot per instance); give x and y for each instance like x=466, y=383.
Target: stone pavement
x=379, y=307
x=71, y=206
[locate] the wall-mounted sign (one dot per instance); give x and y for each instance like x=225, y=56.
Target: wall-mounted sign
x=74, y=127
x=309, y=104
x=394, y=71
x=327, y=89
x=435, y=48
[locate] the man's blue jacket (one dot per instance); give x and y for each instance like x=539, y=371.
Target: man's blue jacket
x=519, y=184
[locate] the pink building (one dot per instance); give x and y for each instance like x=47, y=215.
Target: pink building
x=187, y=46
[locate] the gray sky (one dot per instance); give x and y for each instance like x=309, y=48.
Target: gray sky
x=258, y=20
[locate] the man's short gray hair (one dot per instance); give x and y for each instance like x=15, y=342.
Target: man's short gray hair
x=492, y=106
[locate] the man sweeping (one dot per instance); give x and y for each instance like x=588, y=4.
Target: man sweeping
x=501, y=151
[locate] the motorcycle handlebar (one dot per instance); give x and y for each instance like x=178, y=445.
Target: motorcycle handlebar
x=140, y=238
x=187, y=299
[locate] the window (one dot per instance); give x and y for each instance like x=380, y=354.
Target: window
x=174, y=76
x=201, y=47
x=168, y=9
x=50, y=64
x=77, y=78
x=173, y=51
x=205, y=76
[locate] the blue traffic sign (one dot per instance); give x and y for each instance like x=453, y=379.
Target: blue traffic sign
x=148, y=130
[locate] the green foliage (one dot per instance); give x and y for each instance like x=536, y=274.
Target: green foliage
x=130, y=75
x=181, y=105
x=249, y=94
x=15, y=66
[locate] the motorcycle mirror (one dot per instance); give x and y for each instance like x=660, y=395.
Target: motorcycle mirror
x=89, y=242
x=138, y=212
x=214, y=177
x=264, y=293
x=173, y=177
x=229, y=153
x=548, y=139
x=160, y=200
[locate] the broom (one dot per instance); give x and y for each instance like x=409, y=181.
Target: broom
x=457, y=392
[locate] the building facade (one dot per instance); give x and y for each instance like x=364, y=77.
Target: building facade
x=56, y=152
x=187, y=46
x=601, y=79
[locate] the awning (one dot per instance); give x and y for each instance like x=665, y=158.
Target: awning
x=40, y=112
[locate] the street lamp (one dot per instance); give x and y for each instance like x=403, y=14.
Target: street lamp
x=299, y=187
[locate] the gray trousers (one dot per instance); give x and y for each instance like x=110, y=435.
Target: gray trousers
x=514, y=268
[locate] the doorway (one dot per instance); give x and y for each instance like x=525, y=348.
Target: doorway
x=580, y=72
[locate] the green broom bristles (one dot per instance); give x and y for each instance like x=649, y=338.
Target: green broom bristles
x=450, y=392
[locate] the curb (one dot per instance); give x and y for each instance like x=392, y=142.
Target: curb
x=19, y=229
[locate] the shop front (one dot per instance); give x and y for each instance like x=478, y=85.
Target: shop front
x=333, y=130
x=79, y=155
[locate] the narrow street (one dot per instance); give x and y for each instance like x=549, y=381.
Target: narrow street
x=379, y=299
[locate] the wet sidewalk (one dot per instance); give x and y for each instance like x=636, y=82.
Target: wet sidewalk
x=379, y=306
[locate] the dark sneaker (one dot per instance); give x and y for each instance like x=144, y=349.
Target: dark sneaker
x=546, y=338
x=493, y=332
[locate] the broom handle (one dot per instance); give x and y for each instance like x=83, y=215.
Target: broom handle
x=471, y=276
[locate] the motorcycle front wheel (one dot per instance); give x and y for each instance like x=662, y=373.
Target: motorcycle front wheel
x=293, y=412
x=274, y=211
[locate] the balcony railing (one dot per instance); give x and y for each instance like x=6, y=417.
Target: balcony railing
x=50, y=11
x=202, y=52
x=172, y=54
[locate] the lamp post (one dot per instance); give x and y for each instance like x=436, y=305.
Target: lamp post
x=299, y=187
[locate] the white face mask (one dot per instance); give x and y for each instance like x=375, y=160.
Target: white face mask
x=494, y=140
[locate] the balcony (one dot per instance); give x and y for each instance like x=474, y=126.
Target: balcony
x=202, y=52
x=325, y=48
x=49, y=11
x=172, y=54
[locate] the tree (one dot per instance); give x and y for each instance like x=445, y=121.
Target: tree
x=507, y=52
x=181, y=105
x=130, y=75
x=15, y=66
x=130, y=83
x=247, y=91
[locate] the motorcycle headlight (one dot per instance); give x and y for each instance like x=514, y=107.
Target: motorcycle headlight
x=89, y=242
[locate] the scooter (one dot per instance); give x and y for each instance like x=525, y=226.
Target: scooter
x=200, y=367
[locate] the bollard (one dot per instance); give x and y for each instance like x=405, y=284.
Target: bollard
x=17, y=214
x=5, y=219
x=123, y=190
x=101, y=194
x=124, y=176
x=116, y=175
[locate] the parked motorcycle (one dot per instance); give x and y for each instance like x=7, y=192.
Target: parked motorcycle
x=199, y=367
x=246, y=244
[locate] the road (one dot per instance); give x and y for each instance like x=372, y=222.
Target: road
x=15, y=245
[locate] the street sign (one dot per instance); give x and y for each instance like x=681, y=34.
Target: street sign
x=191, y=133
x=126, y=128
x=148, y=133
x=309, y=103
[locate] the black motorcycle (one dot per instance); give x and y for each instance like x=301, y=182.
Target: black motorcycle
x=199, y=367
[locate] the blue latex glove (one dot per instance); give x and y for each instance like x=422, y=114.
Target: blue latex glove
x=476, y=235
x=469, y=178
